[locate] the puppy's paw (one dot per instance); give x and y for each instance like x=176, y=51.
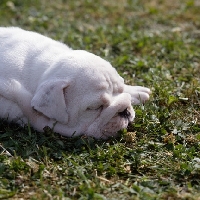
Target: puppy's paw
x=138, y=94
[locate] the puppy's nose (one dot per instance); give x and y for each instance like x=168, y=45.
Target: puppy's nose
x=125, y=114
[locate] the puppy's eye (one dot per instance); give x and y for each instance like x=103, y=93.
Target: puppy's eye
x=95, y=108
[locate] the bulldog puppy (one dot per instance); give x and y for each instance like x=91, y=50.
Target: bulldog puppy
x=45, y=83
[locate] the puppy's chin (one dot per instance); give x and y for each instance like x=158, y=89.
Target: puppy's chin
x=113, y=126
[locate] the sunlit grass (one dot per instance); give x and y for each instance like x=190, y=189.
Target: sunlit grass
x=152, y=43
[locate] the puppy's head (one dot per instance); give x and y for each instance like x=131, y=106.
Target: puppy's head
x=84, y=93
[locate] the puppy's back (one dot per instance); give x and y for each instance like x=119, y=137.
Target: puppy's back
x=25, y=55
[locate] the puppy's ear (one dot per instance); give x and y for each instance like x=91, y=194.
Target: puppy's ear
x=49, y=100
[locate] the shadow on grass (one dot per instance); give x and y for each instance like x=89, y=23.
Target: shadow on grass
x=25, y=142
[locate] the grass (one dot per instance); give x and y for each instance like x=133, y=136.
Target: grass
x=153, y=43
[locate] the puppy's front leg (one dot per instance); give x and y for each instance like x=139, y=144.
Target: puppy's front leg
x=138, y=94
x=14, y=91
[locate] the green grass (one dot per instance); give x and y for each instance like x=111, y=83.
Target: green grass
x=158, y=43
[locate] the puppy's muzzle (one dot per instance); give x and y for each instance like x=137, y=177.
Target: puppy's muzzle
x=125, y=114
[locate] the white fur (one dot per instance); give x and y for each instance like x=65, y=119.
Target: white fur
x=46, y=83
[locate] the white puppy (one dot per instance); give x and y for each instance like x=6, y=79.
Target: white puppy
x=46, y=83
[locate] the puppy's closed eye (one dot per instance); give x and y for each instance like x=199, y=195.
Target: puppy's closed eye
x=95, y=108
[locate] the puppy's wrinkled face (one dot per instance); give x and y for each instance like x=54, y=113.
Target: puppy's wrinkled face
x=84, y=94
x=96, y=102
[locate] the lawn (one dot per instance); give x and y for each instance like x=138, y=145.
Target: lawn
x=153, y=43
